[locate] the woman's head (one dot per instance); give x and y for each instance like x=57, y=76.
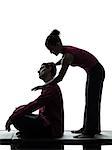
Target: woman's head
x=53, y=42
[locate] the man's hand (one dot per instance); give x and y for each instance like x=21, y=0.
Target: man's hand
x=7, y=126
x=37, y=88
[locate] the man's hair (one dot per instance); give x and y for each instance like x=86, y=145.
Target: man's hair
x=53, y=67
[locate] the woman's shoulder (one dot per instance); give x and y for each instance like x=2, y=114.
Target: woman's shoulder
x=68, y=47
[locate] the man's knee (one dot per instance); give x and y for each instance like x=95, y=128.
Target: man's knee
x=18, y=122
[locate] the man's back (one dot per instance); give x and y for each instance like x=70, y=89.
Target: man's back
x=52, y=113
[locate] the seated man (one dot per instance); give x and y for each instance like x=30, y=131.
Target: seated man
x=50, y=120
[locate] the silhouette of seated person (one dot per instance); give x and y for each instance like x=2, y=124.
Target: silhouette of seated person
x=50, y=120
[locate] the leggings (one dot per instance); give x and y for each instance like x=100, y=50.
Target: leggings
x=94, y=85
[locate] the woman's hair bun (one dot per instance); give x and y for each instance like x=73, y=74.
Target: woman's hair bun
x=55, y=32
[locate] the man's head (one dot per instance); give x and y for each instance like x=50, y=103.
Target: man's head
x=47, y=71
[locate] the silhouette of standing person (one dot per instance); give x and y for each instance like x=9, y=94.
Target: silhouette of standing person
x=50, y=120
x=95, y=76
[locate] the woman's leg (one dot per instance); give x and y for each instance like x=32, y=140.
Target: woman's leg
x=94, y=87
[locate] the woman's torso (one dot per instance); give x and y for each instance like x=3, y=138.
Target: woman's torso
x=81, y=58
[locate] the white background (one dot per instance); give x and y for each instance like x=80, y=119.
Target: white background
x=24, y=26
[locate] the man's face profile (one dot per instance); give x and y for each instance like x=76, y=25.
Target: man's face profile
x=43, y=71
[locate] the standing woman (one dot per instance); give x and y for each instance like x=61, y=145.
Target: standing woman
x=95, y=76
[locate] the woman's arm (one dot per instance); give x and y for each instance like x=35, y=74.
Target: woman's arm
x=59, y=77
x=59, y=62
x=66, y=61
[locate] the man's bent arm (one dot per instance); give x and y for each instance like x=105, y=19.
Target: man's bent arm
x=41, y=101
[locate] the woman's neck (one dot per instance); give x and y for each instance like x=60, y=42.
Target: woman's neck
x=61, y=49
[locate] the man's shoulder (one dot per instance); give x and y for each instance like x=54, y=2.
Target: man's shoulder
x=53, y=87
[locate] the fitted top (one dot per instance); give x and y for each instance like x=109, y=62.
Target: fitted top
x=82, y=58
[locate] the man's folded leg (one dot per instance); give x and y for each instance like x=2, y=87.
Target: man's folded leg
x=30, y=125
